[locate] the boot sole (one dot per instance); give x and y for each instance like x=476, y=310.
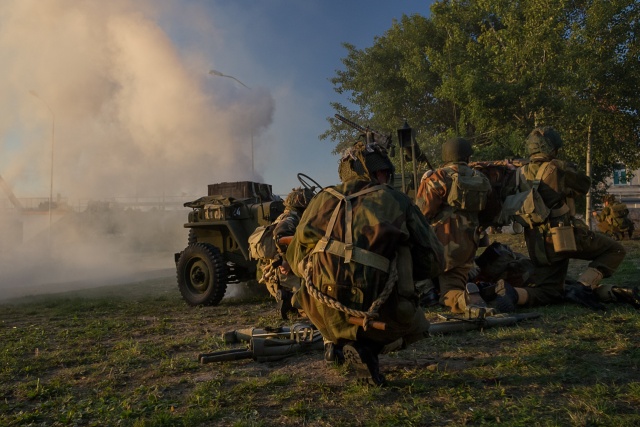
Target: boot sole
x=363, y=375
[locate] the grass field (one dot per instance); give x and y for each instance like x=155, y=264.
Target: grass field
x=127, y=356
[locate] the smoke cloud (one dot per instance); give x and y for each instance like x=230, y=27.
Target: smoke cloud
x=130, y=113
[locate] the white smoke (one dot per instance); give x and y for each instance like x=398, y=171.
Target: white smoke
x=134, y=115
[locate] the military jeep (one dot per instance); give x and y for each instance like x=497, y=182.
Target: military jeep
x=219, y=225
x=219, y=228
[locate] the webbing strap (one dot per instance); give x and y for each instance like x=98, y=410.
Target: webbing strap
x=541, y=170
x=347, y=249
x=358, y=255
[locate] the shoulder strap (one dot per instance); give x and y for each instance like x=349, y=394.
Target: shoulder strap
x=346, y=249
x=541, y=171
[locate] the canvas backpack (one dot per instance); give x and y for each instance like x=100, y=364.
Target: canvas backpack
x=468, y=192
x=620, y=210
x=526, y=207
x=262, y=245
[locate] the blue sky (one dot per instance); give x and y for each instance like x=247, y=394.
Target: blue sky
x=292, y=48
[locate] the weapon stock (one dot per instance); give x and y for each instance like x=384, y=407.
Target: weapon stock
x=285, y=240
x=375, y=324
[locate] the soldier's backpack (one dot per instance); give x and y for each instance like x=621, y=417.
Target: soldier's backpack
x=468, y=192
x=620, y=210
x=526, y=207
x=262, y=245
x=620, y=217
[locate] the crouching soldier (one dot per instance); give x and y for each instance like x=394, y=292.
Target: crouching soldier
x=450, y=198
x=360, y=246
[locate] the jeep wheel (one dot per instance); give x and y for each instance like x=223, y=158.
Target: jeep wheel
x=202, y=276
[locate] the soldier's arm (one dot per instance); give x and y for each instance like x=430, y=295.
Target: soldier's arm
x=432, y=193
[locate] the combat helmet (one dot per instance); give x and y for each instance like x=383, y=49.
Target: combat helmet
x=543, y=140
x=362, y=160
x=456, y=150
x=610, y=198
x=299, y=198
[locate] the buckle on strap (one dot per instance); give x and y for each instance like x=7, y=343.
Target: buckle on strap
x=321, y=246
x=348, y=253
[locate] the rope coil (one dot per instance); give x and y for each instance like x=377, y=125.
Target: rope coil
x=372, y=313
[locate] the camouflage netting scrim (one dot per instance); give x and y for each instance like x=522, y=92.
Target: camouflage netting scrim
x=362, y=160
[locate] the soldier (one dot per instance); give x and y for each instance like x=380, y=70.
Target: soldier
x=360, y=246
x=614, y=219
x=450, y=198
x=555, y=180
x=276, y=274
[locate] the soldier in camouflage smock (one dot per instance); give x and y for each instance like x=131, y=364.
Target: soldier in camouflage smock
x=361, y=245
x=457, y=227
x=557, y=181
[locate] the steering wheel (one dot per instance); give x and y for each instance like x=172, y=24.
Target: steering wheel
x=305, y=181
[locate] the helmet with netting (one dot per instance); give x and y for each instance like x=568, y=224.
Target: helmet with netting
x=362, y=160
x=456, y=150
x=298, y=198
x=543, y=140
x=610, y=198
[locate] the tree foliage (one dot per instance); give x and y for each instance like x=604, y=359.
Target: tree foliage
x=491, y=70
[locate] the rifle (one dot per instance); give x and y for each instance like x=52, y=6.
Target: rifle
x=271, y=344
x=370, y=134
x=453, y=324
x=267, y=344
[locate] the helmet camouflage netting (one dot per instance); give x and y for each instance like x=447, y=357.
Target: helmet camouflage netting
x=298, y=198
x=362, y=160
x=543, y=140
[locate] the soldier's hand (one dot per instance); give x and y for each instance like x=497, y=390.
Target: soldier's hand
x=284, y=268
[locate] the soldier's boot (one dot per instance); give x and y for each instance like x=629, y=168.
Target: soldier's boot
x=612, y=293
x=333, y=354
x=429, y=298
x=472, y=303
x=365, y=363
x=582, y=295
x=628, y=295
x=283, y=297
x=506, y=297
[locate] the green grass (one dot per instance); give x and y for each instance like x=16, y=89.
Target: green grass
x=87, y=359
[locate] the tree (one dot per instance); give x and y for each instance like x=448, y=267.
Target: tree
x=491, y=70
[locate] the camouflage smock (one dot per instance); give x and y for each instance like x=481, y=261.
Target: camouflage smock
x=458, y=231
x=382, y=221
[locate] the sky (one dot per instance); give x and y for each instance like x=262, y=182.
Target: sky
x=104, y=100
x=135, y=112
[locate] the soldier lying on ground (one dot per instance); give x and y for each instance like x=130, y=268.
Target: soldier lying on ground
x=499, y=269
